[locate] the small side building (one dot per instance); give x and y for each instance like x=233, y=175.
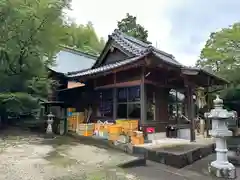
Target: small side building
x=67, y=60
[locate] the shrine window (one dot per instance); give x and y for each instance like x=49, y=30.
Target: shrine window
x=128, y=103
x=106, y=103
x=175, y=105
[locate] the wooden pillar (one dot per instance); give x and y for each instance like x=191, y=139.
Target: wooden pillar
x=190, y=106
x=114, y=98
x=208, y=109
x=143, y=97
x=157, y=104
x=185, y=110
x=177, y=114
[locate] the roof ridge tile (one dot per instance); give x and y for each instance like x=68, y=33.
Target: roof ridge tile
x=138, y=47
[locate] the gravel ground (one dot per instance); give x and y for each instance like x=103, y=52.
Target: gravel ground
x=26, y=156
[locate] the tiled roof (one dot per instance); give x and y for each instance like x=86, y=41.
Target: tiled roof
x=69, y=60
x=132, y=45
x=138, y=47
x=108, y=66
x=208, y=73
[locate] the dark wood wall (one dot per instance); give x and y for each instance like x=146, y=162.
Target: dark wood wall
x=62, y=82
x=165, y=78
x=128, y=75
x=113, y=56
x=162, y=97
x=125, y=77
x=104, y=80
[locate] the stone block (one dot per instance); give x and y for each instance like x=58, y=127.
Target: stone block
x=151, y=155
x=160, y=157
x=222, y=173
x=139, y=150
x=177, y=161
x=196, y=155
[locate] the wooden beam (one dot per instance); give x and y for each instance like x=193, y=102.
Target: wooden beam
x=160, y=85
x=147, y=61
x=117, y=85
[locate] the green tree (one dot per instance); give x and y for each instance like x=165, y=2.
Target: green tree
x=130, y=26
x=221, y=54
x=83, y=37
x=30, y=33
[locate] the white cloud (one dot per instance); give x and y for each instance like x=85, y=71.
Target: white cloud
x=178, y=27
x=105, y=14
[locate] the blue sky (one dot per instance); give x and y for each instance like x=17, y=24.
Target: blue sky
x=179, y=27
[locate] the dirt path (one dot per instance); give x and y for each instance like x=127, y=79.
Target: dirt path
x=27, y=156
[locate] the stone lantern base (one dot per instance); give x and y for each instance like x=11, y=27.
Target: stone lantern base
x=226, y=170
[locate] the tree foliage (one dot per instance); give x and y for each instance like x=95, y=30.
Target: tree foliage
x=222, y=55
x=130, y=26
x=83, y=37
x=30, y=33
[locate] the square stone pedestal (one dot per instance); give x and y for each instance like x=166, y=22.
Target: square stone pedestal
x=227, y=172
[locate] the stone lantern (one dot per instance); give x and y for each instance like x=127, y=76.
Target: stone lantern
x=221, y=167
x=50, y=122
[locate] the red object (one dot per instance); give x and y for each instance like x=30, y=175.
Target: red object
x=150, y=130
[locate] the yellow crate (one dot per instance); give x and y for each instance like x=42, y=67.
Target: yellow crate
x=84, y=127
x=98, y=126
x=86, y=133
x=115, y=129
x=120, y=121
x=72, y=124
x=107, y=126
x=137, y=140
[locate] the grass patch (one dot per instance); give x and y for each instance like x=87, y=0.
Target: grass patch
x=57, y=158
